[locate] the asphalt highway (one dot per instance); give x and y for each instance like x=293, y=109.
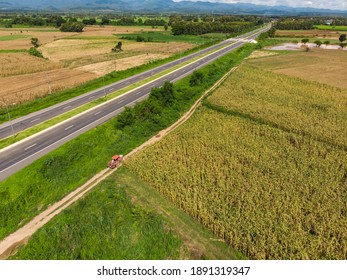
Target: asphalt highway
x=21, y=154
x=17, y=125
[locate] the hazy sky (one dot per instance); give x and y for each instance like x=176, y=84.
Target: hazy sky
x=328, y=4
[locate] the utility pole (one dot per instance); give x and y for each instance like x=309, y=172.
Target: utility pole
x=9, y=117
x=49, y=83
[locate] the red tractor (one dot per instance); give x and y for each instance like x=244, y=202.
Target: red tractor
x=115, y=161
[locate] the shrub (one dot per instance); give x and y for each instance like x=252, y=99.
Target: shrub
x=33, y=51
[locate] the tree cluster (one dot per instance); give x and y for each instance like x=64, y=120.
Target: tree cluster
x=72, y=27
x=295, y=24
x=150, y=109
x=198, y=28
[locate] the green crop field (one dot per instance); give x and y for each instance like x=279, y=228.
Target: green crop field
x=263, y=164
x=12, y=37
x=328, y=27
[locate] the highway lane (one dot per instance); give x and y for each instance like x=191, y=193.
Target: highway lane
x=23, y=153
x=7, y=129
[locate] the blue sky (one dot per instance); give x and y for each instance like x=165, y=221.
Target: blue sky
x=325, y=4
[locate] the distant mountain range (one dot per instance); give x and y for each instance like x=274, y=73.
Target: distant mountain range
x=159, y=6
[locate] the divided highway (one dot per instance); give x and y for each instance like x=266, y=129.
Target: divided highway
x=9, y=128
x=21, y=154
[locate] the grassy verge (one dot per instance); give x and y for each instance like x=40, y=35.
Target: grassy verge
x=104, y=225
x=131, y=220
x=48, y=179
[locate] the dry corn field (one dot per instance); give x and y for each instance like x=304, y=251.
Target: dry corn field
x=307, y=108
x=269, y=192
x=12, y=64
x=21, y=88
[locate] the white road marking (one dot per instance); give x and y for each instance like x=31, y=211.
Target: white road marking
x=27, y=148
x=91, y=97
x=35, y=120
x=68, y=127
x=97, y=113
x=67, y=107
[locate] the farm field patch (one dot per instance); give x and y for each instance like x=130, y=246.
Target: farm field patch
x=318, y=34
x=328, y=27
x=75, y=58
x=12, y=64
x=20, y=88
x=323, y=66
x=262, y=177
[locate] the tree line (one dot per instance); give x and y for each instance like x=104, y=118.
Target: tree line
x=198, y=28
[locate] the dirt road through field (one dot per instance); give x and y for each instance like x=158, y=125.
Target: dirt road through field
x=10, y=244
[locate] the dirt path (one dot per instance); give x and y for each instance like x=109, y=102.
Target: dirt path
x=10, y=244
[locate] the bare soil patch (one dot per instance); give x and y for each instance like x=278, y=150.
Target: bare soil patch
x=258, y=54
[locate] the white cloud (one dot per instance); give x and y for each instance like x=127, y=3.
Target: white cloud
x=324, y=4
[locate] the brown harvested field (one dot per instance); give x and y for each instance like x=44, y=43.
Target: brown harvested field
x=323, y=66
x=111, y=30
x=72, y=58
x=12, y=64
x=45, y=35
x=321, y=34
x=103, y=68
x=80, y=52
x=20, y=88
x=48, y=35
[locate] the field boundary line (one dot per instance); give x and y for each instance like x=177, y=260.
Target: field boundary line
x=10, y=244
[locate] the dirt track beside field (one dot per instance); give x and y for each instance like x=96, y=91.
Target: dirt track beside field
x=11, y=243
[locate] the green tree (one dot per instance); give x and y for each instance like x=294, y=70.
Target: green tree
x=118, y=47
x=326, y=42
x=72, y=26
x=343, y=45
x=105, y=21
x=318, y=43
x=166, y=26
x=35, y=42
x=342, y=38
x=34, y=52
x=272, y=32
x=127, y=117
x=196, y=79
x=305, y=40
